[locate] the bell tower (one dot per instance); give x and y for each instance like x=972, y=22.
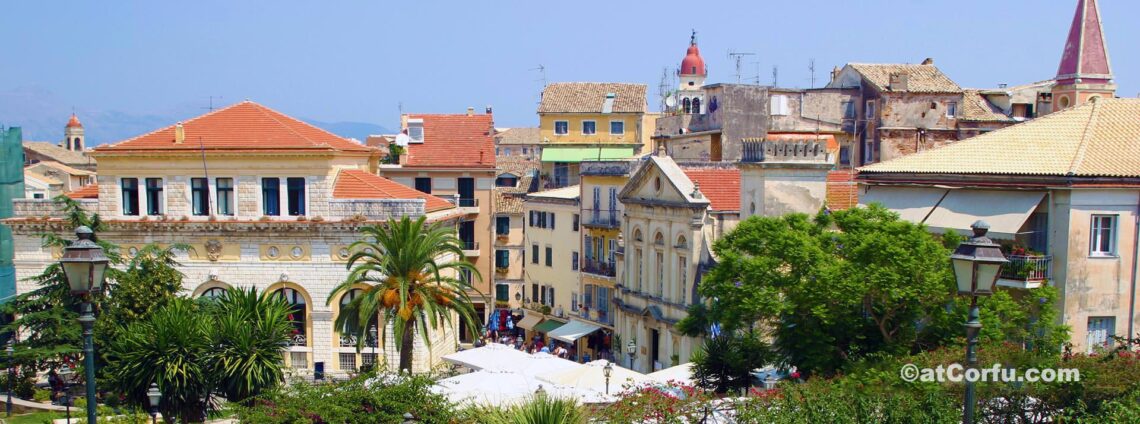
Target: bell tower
x=690, y=96
x=1085, y=72
x=73, y=138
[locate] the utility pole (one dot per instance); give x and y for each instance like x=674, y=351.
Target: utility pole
x=811, y=68
x=775, y=75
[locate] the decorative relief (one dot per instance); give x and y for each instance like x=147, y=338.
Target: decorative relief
x=341, y=252
x=285, y=252
x=213, y=250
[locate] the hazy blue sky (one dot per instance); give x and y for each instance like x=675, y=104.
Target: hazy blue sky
x=356, y=60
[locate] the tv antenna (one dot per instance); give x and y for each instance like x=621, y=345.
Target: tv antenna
x=663, y=87
x=738, y=57
x=811, y=68
x=211, y=99
x=542, y=73
x=775, y=75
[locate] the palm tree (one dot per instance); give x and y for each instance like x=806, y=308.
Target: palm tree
x=407, y=283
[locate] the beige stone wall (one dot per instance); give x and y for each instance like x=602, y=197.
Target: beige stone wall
x=776, y=189
x=564, y=242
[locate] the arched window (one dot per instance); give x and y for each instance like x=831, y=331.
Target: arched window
x=352, y=326
x=1063, y=102
x=213, y=293
x=686, y=105
x=682, y=242
x=696, y=105
x=659, y=239
x=637, y=235
x=298, y=315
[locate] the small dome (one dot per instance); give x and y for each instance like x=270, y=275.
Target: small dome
x=74, y=122
x=693, y=64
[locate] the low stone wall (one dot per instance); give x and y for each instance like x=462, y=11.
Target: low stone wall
x=39, y=208
x=376, y=209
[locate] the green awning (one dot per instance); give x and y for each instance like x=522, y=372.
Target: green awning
x=547, y=326
x=578, y=154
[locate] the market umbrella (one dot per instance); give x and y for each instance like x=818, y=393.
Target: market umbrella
x=591, y=376
x=681, y=374
x=493, y=355
x=539, y=363
x=499, y=388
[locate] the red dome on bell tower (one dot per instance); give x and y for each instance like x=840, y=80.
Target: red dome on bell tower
x=693, y=64
x=74, y=122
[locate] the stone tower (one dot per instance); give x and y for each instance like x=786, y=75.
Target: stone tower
x=1085, y=72
x=73, y=135
x=690, y=96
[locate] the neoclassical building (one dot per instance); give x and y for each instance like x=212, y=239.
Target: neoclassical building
x=264, y=200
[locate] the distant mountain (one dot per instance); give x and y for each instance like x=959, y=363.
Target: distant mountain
x=42, y=114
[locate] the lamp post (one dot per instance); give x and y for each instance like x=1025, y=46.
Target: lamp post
x=607, y=371
x=977, y=264
x=631, y=348
x=84, y=266
x=375, y=341
x=770, y=382
x=8, y=406
x=154, y=396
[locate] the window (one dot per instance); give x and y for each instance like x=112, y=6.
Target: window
x=1103, y=240
x=870, y=109
x=589, y=127
x=696, y=105
x=533, y=292
x=423, y=184
x=502, y=292
x=154, y=196
x=617, y=127
x=660, y=274
x=1100, y=332
x=951, y=109
x=683, y=275
x=506, y=180
x=637, y=259
x=549, y=256
x=534, y=253
x=845, y=154
x=502, y=225
x=297, y=315
x=416, y=131
x=576, y=222
x=37, y=195
x=296, y=188
x=130, y=196
x=299, y=360
x=225, y=195
x=550, y=297
x=561, y=127
x=573, y=261
x=200, y=196
x=686, y=105
x=613, y=249
x=551, y=220
x=347, y=361
x=573, y=301
x=526, y=151
x=213, y=293
x=848, y=109
x=502, y=258
x=508, y=151
x=271, y=196
x=779, y=105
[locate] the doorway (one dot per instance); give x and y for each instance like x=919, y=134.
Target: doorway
x=467, y=192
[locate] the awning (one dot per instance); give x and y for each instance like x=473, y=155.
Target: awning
x=528, y=322
x=580, y=153
x=548, y=326
x=573, y=330
x=1005, y=211
x=911, y=203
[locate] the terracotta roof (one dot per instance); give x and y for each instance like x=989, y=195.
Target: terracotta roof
x=590, y=97
x=58, y=154
x=61, y=168
x=518, y=136
x=90, y=191
x=1096, y=139
x=517, y=165
x=976, y=108
x=457, y=141
x=357, y=184
x=508, y=202
x=920, y=79
x=39, y=174
x=245, y=126
x=720, y=185
x=73, y=122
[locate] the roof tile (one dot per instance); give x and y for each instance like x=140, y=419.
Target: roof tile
x=921, y=78
x=357, y=184
x=457, y=140
x=589, y=97
x=720, y=185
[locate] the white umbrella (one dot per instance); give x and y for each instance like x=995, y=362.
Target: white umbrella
x=494, y=387
x=493, y=356
x=591, y=376
x=539, y=363
x=681, y=373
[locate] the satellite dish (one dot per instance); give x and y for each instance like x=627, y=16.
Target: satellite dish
x=402, y=140
x=670, y=101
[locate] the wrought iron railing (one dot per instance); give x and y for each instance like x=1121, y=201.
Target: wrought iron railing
x=597, y=267
x=1028, y=268
x=606, y=218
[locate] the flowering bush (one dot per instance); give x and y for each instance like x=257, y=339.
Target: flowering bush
x=672, y=402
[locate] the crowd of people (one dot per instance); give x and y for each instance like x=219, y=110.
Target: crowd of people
x=534, y=345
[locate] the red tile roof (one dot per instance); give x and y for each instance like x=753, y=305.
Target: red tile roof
x=720, y=186
x=245, y=126
x=454, y=141
x=90, y=191
x=357, y=184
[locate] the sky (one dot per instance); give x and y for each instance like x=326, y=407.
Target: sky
x=361, y=61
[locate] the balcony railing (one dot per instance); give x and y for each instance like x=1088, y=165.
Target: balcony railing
x=469, y=244
x=605, y=268
x=602, y=218
x=1027, y=271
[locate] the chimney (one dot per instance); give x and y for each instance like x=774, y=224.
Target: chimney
x=898, y=81
x=928, y=61
x=834, y=73
x=488, y=109
x=470, y=111
x=179, y=133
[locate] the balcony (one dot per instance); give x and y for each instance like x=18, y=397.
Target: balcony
x=597, y=315
x=465, y=204
x=602, y=218
x=502, y=239
x=470, y=248
x=1026, y=271
x=602, y=268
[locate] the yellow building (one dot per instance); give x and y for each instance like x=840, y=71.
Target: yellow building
x=552, y=256
x=589, y=121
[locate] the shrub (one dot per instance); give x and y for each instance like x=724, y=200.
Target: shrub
x=536, y=410
x=368, y=398
x=41, y=395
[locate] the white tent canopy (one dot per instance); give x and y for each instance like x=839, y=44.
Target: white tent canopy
x=497, y=387
x=591, y=376
x=491, y=356
x=681, y=373
x=539, y=363
x=573, y=330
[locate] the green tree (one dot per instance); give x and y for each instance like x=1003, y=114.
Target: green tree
x=725, y=363
x=406, y=283
x=192, y=348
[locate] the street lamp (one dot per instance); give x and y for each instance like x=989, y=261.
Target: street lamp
x=375, y=341
x=977, y=264
x=8, y=406
x=607, y=371
x=631, y=348
x=539, y=392
x=770, y=382
x=154, y=396
x=84, y=266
